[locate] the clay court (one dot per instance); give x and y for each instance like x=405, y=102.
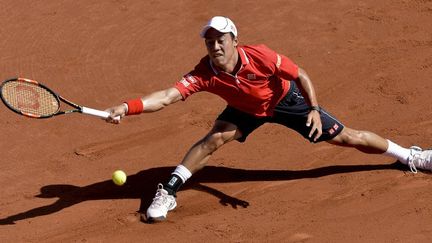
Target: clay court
x=370, y=61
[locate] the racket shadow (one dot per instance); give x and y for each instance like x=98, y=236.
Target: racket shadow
x=143, y=186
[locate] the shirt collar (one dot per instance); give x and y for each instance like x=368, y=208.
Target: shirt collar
x=243, y=57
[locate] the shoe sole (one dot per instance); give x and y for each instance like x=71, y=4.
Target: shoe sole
x=151, y=220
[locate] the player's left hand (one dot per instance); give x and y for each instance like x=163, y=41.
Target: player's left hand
x=115, y=112
x=314, y=121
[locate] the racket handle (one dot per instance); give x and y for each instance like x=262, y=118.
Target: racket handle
x=98, y=113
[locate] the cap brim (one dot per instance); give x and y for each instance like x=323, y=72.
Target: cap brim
x=204, y=31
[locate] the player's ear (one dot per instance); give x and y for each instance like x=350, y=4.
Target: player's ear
x=235, y=41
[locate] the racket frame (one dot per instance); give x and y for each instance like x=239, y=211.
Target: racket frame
x=78, y=108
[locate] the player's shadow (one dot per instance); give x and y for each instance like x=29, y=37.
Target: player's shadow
x=143, y=184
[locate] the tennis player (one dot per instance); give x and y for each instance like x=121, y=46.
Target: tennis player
x=259, y=86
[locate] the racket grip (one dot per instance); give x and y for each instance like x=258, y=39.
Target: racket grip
x=98, y=113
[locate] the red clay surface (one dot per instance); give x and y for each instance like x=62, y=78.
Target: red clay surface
x=371, y=62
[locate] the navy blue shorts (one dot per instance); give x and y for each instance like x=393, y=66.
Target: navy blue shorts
x=291, y=112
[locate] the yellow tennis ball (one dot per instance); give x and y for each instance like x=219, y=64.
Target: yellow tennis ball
x=119, y=177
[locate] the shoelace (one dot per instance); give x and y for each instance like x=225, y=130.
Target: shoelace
x=161, y=199
x=423, y=162
x=411, y=163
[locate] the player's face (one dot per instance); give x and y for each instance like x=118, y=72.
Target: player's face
x=221, y=47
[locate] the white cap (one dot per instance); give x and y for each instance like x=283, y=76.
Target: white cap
x=221, y=24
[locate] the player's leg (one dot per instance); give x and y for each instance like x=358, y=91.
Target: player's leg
x=199, y=154
x=292, y=112
x=221, y=133
x=364, y=141
x=195, y=159
x=369, y=142
x=230, y=125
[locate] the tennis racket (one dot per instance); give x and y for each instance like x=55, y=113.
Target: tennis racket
x=32, y=99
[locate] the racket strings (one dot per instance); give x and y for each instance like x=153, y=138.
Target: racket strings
x=30, y=99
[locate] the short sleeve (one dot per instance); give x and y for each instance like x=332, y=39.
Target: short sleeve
x=281, y=65
x=188, y=85
x=286, y=68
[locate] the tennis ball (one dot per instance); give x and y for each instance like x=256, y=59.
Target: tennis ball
x=119, y=177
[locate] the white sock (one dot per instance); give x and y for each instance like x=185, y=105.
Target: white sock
x=398, y=152
x=182, y=172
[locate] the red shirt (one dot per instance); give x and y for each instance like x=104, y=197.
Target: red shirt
x=261, y=82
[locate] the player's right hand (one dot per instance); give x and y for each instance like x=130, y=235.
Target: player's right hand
x=115, y=112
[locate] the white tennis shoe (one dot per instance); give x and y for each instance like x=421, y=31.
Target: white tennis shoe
x=420, y=159
x=162, y=203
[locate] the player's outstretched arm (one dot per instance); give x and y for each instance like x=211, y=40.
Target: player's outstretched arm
x=160, y=99
x=149, y=103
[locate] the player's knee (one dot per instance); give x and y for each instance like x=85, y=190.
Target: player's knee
x=213, y=141
x=353, y=137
